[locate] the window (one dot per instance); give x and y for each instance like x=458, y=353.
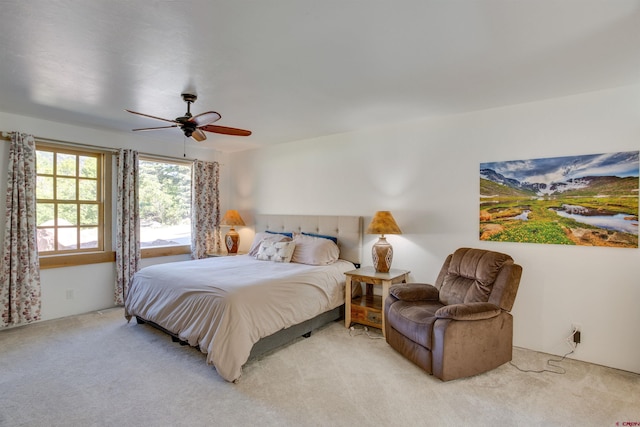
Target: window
x=72, y=209
x=165, y=207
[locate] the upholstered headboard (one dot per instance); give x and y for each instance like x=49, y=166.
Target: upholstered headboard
x=348, y=229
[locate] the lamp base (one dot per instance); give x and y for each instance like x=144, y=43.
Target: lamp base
x=231, y=240
x=382, y=254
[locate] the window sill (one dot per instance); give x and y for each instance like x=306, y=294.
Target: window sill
x=165, y=251
x=57, y=261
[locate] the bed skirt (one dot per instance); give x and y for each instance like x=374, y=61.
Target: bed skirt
x=277, y=339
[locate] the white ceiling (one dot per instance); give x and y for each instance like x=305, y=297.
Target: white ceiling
x=298, y=69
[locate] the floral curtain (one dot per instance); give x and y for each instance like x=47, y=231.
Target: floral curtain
x=205, y=208
x=128, y=223
x=20, y=300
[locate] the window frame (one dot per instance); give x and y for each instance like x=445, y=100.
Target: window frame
x=161, y=251
x=105, y=253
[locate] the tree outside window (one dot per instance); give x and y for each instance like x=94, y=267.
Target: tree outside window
x=164, y=203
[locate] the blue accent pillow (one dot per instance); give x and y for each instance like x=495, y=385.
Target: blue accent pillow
x=322, y=236
x=289, y=235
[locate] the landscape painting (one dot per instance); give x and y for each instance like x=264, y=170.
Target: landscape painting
x=588, y=200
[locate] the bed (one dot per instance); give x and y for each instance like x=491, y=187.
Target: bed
x=236, y=307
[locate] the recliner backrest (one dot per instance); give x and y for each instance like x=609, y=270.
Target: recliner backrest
x=506, y=286
x=477, y=275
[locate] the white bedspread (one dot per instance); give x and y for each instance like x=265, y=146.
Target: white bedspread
x=226, y=304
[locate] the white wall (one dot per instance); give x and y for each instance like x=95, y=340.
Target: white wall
x=73, y=290
x=427, y=174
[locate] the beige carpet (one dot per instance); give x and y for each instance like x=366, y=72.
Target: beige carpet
x=97, y=370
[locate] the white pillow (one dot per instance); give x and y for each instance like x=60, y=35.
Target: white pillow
x=276, y=251
x=314, y=250
x=265, y=237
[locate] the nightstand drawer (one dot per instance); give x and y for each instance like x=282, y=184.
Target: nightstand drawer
x=367, y=310
x=374, y=317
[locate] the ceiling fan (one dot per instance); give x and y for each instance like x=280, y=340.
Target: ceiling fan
x=193, y=126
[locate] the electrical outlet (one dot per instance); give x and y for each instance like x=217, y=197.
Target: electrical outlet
x=576, y=333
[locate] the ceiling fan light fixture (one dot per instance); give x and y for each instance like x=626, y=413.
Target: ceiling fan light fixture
x=198, y=135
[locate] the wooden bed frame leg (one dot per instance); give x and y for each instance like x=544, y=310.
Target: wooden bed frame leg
x=307, y=335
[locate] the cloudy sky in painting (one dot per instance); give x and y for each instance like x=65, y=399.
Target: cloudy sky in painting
x=559, y=169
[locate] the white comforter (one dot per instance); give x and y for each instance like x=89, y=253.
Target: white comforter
x=226, y=304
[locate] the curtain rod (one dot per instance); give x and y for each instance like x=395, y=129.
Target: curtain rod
x=6, y=137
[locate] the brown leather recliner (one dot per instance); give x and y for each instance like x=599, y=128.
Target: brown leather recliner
x=461, y=325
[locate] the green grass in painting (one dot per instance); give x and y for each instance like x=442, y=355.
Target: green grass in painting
x=532, y=232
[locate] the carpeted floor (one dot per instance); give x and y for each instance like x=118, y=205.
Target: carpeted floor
x=97, y=370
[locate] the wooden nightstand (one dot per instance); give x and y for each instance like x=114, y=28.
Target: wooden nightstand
x=368, y=309
x=216, y=254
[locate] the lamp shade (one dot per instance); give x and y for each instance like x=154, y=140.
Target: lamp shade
x=232, y=239
x=232, y=218
x=382, y=252
x=383, y=223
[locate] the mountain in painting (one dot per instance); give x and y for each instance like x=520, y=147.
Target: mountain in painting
x=494, y=184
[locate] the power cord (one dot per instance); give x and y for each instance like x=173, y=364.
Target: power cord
x=365, y=331
x=570, y=342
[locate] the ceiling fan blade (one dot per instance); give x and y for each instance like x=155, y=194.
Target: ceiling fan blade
x=158, y=127
x=151, y=117
x=226, y=130
x=206, y=118
x=198, y=135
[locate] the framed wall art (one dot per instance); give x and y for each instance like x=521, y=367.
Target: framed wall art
x=589, y=200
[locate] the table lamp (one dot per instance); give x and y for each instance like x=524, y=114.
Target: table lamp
x=232, y=238
x=382, y=223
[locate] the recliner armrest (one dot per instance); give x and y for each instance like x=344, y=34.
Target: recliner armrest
x=469, y=311
x=414, y=292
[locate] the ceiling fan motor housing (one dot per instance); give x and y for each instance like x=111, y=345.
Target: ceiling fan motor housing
x=188, y=128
